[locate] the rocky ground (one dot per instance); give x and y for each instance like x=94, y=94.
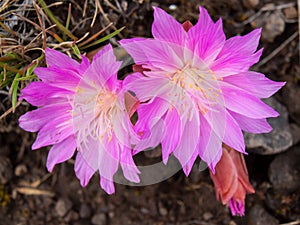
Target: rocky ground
x=30, y=195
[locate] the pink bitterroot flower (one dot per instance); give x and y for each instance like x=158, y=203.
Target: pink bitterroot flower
x=82, y=106
x=196, y=89
x=231, y=180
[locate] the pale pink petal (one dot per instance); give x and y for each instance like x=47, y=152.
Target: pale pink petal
x=59, y=60
x=238, y=54
x=85, y=64
x=254, y=83
x=172, y=134
x=247, y=105
x=151, y=137
x=233, y=134
x=209, y=145
x=188, y=142
x=146, y=88
x=40, y=94
x=34, y=120
x=108, y=163
x=82, y=169
x=234, y=63
x=206, y=38
x=166, y=28
x=156, y=54
x=54, y=132
x=58, y=77
x=104, y=69
x=61, y=152
x=189, y=165
x=250, y=125
x=128, y=166
x=107, y=185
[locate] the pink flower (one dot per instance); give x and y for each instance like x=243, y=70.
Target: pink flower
x=83, y=106
x=197, y=90
x=231, y=180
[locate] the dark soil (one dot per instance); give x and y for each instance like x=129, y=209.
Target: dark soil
x=30, y=195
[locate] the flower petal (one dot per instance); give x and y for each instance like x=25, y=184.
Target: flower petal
x=250, y=125
x=61, y=152
x=58, y=77
x=254, y=83
x=54, y=132
x=104, y=69
x=34, y=120
x=247, y=105
x=156, y=54
x=59, y=60
x=206, y=38
x=82, y=169
x=188, y=142
x=166, y=28
x=172, y=134
x=128, y=166
x=40, y=94
x=233, y=134
x=209, y=145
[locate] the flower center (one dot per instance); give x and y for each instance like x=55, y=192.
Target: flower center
x=106, y=106
x=200, y=85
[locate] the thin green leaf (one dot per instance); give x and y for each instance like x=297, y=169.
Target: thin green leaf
x=104, y=38
x=76, y=51
x=14, y=90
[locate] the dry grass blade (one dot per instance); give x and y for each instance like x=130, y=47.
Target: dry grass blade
x=34, y=191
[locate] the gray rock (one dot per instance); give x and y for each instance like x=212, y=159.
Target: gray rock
x=284, y=171
x=99, y=219
x=62, y=206
x=259, y=216
x=290, y=96
x=278, y=140
x=295, y=129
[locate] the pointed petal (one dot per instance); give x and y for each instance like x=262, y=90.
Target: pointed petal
x=210, y=145
x=166, y=28
x=39, y=94
x=206, y=37
x=58, y=77
x=61, y=152
x=233, y=134
x=250, y=125
x=172, y=134
x=54, y=132
x=128, y=166
x=247, y=105
x=146, y=88
x=189, y=140
x=59, y=60
x=34, y=120
x=104, y=68
x=238, y=54
x=82, y=169
x=254, y=83
x=156, y=54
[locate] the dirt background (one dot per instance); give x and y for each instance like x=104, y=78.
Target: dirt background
x=30, y=195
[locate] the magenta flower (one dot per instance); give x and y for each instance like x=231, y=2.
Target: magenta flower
x=197, y=90
x=82, y=106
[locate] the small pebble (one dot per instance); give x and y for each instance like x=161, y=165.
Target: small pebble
x=62, y=206
x=259, y=216
x=207, y=216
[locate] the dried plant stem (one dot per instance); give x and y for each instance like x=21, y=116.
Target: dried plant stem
x=54, y=20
